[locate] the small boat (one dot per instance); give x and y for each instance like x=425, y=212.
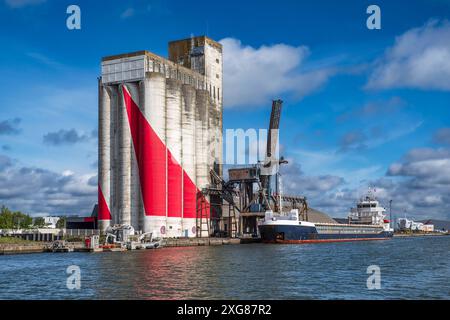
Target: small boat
x=113, y=248
x=60, y=246
x=153, y=244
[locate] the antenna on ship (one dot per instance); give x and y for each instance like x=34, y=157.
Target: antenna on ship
x=390, y=214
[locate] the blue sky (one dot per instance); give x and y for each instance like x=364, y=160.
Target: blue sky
x=361, y=107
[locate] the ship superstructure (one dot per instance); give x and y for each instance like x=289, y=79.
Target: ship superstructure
x=367, y=211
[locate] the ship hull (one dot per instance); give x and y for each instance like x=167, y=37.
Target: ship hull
x=309, y=234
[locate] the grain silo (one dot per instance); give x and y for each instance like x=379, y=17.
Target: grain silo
x=105, y=102
x=160, y=133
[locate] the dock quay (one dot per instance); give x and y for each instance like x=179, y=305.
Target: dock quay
x=39, y=247
x=410, y=235
x=22, y=248
x=191, y=242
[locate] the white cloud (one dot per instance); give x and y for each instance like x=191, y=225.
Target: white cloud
x=127, y=13
x=420, y=58
x=433, y=199
x=39, y=191
x=45, y=60
x=419, y=183
x=254, y=76
x=375, y=136
x=294, y=180
x=22, y=3
x=427, y=166
x=10, y=126
x=65, y=137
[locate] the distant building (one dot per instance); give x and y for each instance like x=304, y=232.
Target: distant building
x=81, y=223
x=89, y=222
x=50, y=222
x=416, y=226
x=439, y=225
x=427, y=228
x=406, y=224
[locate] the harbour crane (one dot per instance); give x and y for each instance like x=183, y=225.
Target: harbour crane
x=249, y=190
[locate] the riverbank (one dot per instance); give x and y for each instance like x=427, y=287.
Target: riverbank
x=18, y=246
x=11, y=245
x=432, y=234
x=190, y=242
x=15, y=248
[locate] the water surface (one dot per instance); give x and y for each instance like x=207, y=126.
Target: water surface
x=411, y=268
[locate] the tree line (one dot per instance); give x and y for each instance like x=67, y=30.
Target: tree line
x=19, y=220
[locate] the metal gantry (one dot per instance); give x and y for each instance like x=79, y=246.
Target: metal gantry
x=248, y=192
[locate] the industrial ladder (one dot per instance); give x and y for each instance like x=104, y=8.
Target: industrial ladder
x=202, y=216
x=232, y=231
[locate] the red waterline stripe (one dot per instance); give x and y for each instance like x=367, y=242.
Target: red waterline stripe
x=322, y=240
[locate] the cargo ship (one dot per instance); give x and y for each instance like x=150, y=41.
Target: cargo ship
x=365, y=222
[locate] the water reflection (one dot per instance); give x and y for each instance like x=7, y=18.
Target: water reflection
x=410, y=268
x=172, y=273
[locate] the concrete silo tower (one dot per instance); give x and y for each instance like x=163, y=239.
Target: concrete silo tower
x=160, y=133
